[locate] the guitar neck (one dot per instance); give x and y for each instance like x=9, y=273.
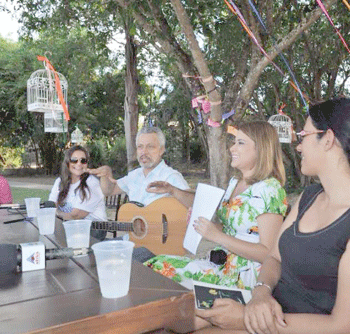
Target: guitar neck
x=112, y=226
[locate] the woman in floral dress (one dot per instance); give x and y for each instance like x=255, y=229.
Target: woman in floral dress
x=250, y=214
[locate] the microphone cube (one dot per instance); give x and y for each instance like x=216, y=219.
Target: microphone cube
x=33, y=256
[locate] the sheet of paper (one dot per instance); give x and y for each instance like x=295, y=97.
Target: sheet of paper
x=206, y=200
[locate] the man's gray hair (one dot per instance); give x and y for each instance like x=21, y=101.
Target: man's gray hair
x=152, y=129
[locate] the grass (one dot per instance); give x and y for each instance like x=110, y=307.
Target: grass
x=19, y=194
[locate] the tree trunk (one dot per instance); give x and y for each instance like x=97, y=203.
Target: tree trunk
x=131, y=93
x=219, y=169
x=166, y=43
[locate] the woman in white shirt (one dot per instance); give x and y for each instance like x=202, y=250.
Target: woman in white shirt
x=77, y=194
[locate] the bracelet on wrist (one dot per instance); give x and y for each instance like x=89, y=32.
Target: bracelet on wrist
x=262, y=284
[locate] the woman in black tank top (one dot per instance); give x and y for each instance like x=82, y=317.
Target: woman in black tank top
x=304, y=283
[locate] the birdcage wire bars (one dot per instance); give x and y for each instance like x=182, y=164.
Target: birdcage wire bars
x=42, y=97
x=284, y=126
x=41, y=91
x=55, y=122
x=77, y=136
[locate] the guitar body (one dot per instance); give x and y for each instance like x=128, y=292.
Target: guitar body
x=151, y=231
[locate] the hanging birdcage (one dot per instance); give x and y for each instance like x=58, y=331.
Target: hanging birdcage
x=42, y=93
x=55, y=122
x=77, y=136
x=284, y=126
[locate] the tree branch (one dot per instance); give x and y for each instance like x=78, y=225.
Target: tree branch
x=253, y=76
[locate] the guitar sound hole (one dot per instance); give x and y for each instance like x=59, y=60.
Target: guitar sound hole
x=139, y=228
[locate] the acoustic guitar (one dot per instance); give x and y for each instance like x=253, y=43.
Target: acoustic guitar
x=159, y=226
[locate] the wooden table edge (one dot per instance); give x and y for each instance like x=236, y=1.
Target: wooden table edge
x=165, y=313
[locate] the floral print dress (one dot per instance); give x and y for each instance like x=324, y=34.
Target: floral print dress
x=238, y=216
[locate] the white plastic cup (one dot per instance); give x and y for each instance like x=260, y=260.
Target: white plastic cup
x=46, y=220
x=32, y=205
x=77, y=233
x=113, y=261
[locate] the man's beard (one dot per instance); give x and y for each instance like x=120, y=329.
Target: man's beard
x=148, y=164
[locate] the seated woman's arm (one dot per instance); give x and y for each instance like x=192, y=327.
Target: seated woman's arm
x=264, y=314
x=261, y=316
x=338, y=321
x=230, y=314
x=73, y=215
x=263, y=309
x=268, y=225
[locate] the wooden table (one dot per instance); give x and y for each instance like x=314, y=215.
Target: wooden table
x=65, y=297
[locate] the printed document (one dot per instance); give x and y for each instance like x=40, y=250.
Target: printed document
x=206, y=201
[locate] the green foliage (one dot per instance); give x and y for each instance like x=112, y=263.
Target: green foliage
x=10, y=157
x=19, y=194
x=77, y=33
x=95, y=86
x=117, y=156
x=102, y=107
x=111, y=152
x=97, y=151
x=95, y=94
x=15, y=66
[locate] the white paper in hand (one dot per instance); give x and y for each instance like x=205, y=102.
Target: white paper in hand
x=206, y=200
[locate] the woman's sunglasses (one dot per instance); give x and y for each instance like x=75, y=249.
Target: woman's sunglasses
x=75, y=161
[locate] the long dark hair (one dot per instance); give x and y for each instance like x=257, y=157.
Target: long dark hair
x=335, y=115
x=66, y=177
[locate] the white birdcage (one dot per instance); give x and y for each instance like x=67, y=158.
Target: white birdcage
x=42, y=92
x=77, y=136
x=54, y=121
x=284, y=127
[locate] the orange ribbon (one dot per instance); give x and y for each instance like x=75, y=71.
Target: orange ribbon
x=251, y=35
x=58, y=86
x=280, y=110
x=232, y=130
x=346, y=4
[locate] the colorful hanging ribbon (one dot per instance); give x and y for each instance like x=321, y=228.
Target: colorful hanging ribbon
x=235, y=10
x=206, y=105
x=330, y=20
x=346, y=4
x=58, y=86
x=191, y=76
x=232, y=130
x=280, y=109
x=297, y=88
x=241, y=19
x=199, y=115
x=195, y=105
x=212, y=123
x=228, y=114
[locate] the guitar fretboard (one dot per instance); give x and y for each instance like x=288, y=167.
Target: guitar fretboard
x=111, y=226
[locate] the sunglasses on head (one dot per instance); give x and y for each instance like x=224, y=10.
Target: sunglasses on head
x=75, y=161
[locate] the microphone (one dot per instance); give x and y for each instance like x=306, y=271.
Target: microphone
x=32, y=256
x=47, y=204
